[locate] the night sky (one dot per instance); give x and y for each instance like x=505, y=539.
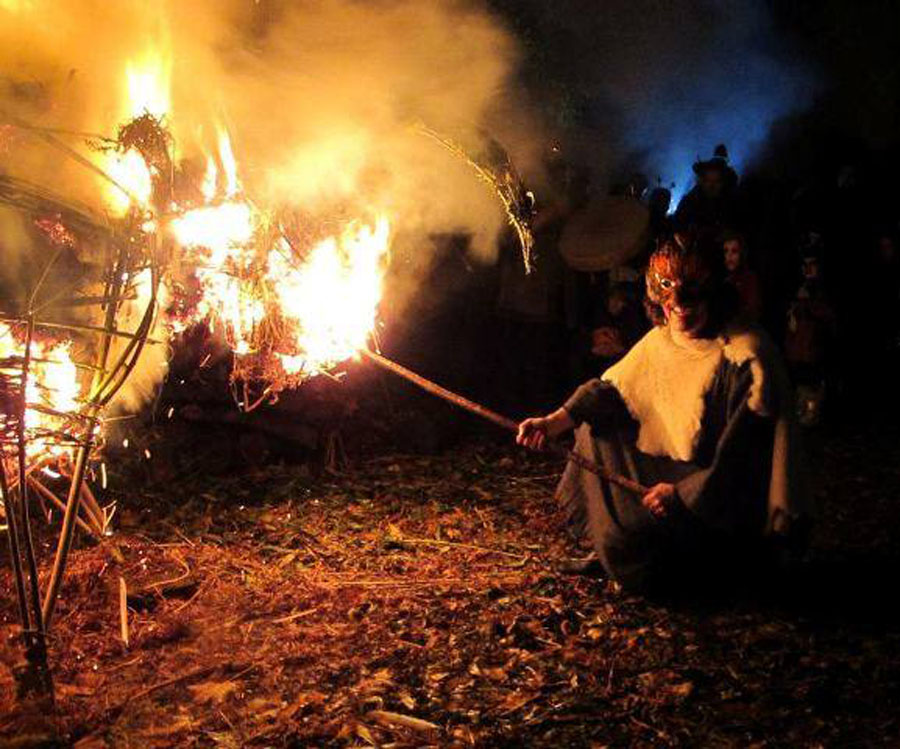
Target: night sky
x=652, y=85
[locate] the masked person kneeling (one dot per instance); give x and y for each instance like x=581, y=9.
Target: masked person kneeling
x=700, y=411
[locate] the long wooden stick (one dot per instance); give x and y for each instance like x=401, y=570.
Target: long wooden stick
x=501, y=421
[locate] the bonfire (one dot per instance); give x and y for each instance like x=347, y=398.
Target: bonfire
x=291, y=294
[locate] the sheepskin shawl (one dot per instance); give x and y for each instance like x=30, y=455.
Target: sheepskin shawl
x=664, y=382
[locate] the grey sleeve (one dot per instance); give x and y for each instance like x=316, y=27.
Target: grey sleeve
x=599, y=404
x=730, y=492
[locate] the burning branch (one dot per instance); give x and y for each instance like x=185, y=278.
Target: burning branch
x=496, y=168
x=289, y=299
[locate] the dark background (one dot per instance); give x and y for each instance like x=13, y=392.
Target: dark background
x=805, y=96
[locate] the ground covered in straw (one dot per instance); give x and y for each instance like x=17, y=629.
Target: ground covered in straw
x=414, y=601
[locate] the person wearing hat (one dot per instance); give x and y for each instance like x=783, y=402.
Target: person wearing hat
x=699, y=411
x=711, y=204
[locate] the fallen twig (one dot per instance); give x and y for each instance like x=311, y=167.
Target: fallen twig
x=123, y=610
x=387, y=718
x=292, y=617
x=47, y=494
x=453, y=544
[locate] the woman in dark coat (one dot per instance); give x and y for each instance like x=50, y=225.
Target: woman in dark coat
x=699, y=411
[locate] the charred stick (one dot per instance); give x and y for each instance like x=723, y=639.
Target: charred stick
x=113, y=331
x=15, y=554
x=49, y=495
x=28, y=545
x=13, y=481
x=70, y=516
x=502, y=421
x=89, y=505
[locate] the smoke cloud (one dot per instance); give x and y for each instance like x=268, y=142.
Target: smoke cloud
x=318, y=96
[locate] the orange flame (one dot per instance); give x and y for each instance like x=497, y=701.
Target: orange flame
x=332, y=299
x=328, y=302
x=53, y=391
x=146, y=86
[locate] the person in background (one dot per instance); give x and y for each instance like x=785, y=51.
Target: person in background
x=809, y=338
x=658, y=202
x=530, y=307
x=700, y=412
x=712, y=203
x=741, y=276
x=618, y=326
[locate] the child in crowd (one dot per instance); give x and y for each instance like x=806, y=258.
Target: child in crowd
x=619, y=325
x=741, y=276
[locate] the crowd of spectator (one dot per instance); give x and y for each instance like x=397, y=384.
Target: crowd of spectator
x=820, y=274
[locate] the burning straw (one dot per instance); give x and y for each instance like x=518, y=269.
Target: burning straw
x=267, y=279
x=496, y=169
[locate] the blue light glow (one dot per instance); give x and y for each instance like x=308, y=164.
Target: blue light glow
x=732, y=92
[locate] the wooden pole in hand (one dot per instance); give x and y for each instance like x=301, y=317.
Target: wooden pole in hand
x=501, y=421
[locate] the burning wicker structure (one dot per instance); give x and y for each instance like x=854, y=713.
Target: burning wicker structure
x=267, y=280
x=67, y=346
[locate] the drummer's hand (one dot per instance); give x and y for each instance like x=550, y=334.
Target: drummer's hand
x=534, y=433
x=661, y=499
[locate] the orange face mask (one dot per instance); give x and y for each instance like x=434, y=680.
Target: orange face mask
x=677, y=276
